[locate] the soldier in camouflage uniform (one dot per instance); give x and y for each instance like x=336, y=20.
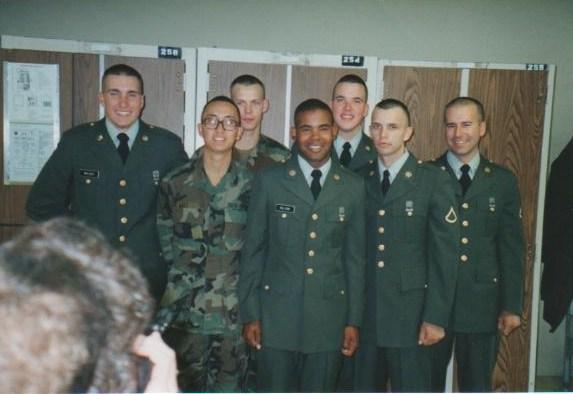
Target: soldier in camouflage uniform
x=201, y=219
x=256, y=150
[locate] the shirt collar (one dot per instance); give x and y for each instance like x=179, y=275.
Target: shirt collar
x=354, y=142
x=395, y=168
x=456, y=163
x=131, y=132
x=306, y=169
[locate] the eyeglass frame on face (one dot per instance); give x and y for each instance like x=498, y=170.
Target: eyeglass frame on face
x=234, y=123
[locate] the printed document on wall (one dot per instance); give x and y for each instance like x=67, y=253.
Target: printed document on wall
x=31, y=119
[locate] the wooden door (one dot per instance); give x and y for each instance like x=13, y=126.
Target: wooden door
x=273, y=76
x=514, y=102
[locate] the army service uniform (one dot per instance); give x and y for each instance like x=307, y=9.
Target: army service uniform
x=302, y=273
x=86, y=178
x=490, y=273
x=364, y=156
x=201, y=231
x=412, y=235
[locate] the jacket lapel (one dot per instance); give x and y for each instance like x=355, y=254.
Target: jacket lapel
x=443, y=161
x=404, y=182
x=364, y=154
x=332, y=185
x=103, y=147
x=295, y=182
x=482, y=180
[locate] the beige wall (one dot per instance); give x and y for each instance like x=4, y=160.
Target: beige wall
x=500, y=31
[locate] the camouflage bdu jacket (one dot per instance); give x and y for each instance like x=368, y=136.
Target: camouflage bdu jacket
x=201, y=229
x=266, y=153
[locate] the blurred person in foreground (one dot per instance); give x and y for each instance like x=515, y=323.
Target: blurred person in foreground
x=73, y=311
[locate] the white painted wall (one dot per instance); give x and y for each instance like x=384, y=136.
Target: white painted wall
x=500, y=31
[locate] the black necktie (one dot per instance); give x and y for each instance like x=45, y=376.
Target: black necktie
x=345, y=155
x=465, y=179
x=315, y=184
x=123, y=147
x=385, y=182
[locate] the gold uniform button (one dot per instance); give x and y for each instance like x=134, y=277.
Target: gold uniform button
x=88, y=181
x=494, y=280
x=292, y=173
x=465, y=240
x=380, y=230
x=463, y=258
x=381, y=247
x=122, y=201
x=380, y=264
x=465, y=223
x=122, y=238
x=145, y=138
x=309, y=271
x=311, y=253
x=123, y=220
x=465, y=205
x=312, y=235
x=267, y=287
x=342, y=292
x=314, y=216
x=381, y=212
x=410, y=213
x=123, y=183
x=284, y=215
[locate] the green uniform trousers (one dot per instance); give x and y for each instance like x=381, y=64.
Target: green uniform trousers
x=404, y=369
x=291, y=371
x=475, y=357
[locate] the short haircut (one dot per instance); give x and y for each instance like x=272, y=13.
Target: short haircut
x=390, y=103
x=105, y=304
x=221, y=99
x=312, y=104
x=248, y=80
x=122, y=69
x=351, y=78
x=466, y=100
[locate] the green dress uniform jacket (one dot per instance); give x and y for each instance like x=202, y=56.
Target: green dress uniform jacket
x=86, y=178
x=302, y=268
x=364, y=156
x=412, y=236
x=491, y=248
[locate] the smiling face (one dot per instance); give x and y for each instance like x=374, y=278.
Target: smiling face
x=390, y=131
x=122, y=99
x=313, y=136
x=349, y=106
x=252, y=105
x=464, y=129
x=219, y=139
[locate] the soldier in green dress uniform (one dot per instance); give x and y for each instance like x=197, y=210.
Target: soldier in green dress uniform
x=489, y=289
x=110, y=183
x=412, y=234
x=352, y=147
x=301, y=282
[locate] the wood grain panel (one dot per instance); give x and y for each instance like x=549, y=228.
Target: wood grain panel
x=273, y=76
x=85, y=88
x=425, y=91
x=317, y=82
x=13, y=197
x=514, y=103
x=164, y=89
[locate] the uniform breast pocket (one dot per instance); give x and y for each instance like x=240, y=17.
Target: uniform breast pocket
x=188, y=220
x=283, y=226
x=489, y=213
x=235, y=224
x=88, y=187
x=409, y=223
x=337, y=218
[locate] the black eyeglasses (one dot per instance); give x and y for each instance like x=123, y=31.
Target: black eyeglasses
x=212, y=122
